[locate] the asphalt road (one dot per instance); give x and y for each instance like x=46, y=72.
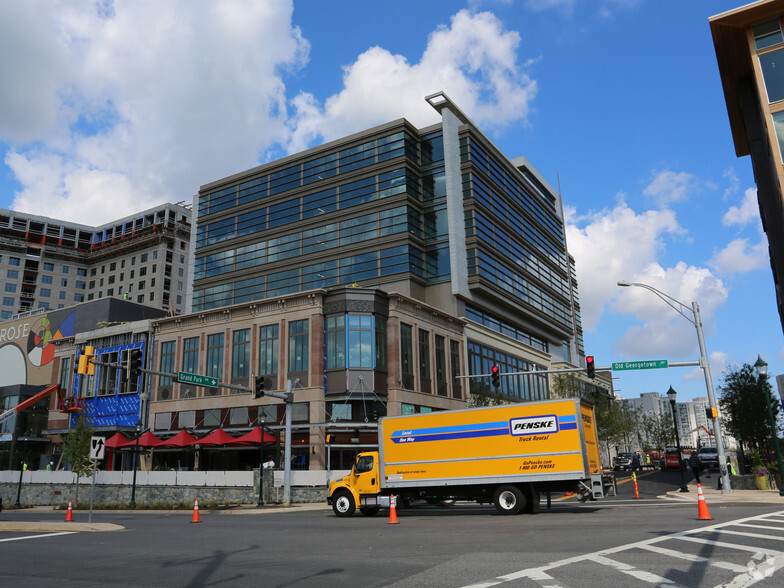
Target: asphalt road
x=621, y=541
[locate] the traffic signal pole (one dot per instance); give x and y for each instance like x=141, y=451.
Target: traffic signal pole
x=288, y=397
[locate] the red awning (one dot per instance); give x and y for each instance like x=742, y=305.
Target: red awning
x=217, y=437
x=254, y=438
x=116, y=440
x=181, y=439
x=146, y=440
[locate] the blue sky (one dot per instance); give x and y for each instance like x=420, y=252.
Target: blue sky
x=110, y=107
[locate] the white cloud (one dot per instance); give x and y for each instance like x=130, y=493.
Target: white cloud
x=609, y=246
x=739, y=257
x=145, y=101
x=663, y=329
x=474, y=60
x=668, y=187
x=745, y=213
x=33, y=67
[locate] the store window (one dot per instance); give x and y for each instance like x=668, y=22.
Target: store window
x=168, y=349
x=240, y=354
x=360, y=341
x=298, y=346
x=215, y=356
x=336, y=342
x=190, y=355
x=268, y=350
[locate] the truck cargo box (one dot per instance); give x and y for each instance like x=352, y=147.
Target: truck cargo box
x=526, y=442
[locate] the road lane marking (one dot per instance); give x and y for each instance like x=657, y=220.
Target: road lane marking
x=676, y=554
x=37, y=536
x=630, y=570
x=761, y=527
x=748, y=575
x=752, y=535
x=737, y=546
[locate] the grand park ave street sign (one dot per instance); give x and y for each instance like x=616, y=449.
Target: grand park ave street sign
x=650, y=364
x=196, y=379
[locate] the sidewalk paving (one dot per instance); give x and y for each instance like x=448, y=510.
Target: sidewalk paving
x=713, y=494
x=79, y=524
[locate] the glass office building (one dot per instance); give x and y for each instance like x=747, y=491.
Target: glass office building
x=437, y=215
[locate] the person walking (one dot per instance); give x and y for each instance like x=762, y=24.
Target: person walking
x=694, y=462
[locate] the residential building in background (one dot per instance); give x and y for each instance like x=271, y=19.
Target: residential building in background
x=694, y=429
x=50, y=264
x=749, y=45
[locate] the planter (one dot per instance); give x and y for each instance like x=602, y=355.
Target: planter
x=761, y=482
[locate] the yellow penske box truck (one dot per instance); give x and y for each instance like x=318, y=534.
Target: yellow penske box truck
x=505, y=455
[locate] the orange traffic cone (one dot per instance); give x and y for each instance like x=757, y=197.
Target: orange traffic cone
x=69, y=514
x=704, y=514
x=196, y=512
x=392, y=509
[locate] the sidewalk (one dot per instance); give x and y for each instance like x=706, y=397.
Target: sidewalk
x=80, y=524
x=712, y=494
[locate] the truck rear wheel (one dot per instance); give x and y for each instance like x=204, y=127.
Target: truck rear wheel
x=509, y=500
x=343, y=504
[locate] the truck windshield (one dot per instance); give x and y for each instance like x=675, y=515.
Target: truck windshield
x=364, y=464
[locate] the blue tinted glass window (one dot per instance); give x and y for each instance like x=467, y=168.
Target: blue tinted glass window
x=284, y=212
x=772, y=65
x=285, y=179
x=251, y=222
x=767, y=34
x=319, y=203
x=252, y=190
x=319, y=169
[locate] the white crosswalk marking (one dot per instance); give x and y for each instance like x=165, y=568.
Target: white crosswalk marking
x=763, y=562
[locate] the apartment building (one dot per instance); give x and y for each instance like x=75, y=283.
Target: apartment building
x=50, y=264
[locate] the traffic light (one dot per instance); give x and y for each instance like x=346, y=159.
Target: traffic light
x=134, y=363
x=258, y=387
x=330, y=439
x=590, y=366
x=711, y=413
x=495, y=377
x=85, y=367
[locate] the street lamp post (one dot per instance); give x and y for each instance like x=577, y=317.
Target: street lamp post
x=762, y=371
x=671, y=395
x=696, y=320
x=135, y=457
x=261, y=463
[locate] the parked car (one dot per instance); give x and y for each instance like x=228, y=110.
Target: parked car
x=709, y=458
x=623, y=461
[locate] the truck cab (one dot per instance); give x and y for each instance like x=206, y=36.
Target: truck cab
x=359, y=489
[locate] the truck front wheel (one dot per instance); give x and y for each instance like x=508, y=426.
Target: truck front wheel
x=509, y=500
x=343, y=504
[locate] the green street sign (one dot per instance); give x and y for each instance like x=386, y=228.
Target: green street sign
x=198, y=380
x=650, y=364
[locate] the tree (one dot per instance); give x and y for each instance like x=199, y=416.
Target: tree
x=76, y=448
x=744, y=409
x=566, y=385
x=615, y=423
x=659, y=430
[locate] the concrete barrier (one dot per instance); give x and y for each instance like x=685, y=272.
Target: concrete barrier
x=51, y=488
